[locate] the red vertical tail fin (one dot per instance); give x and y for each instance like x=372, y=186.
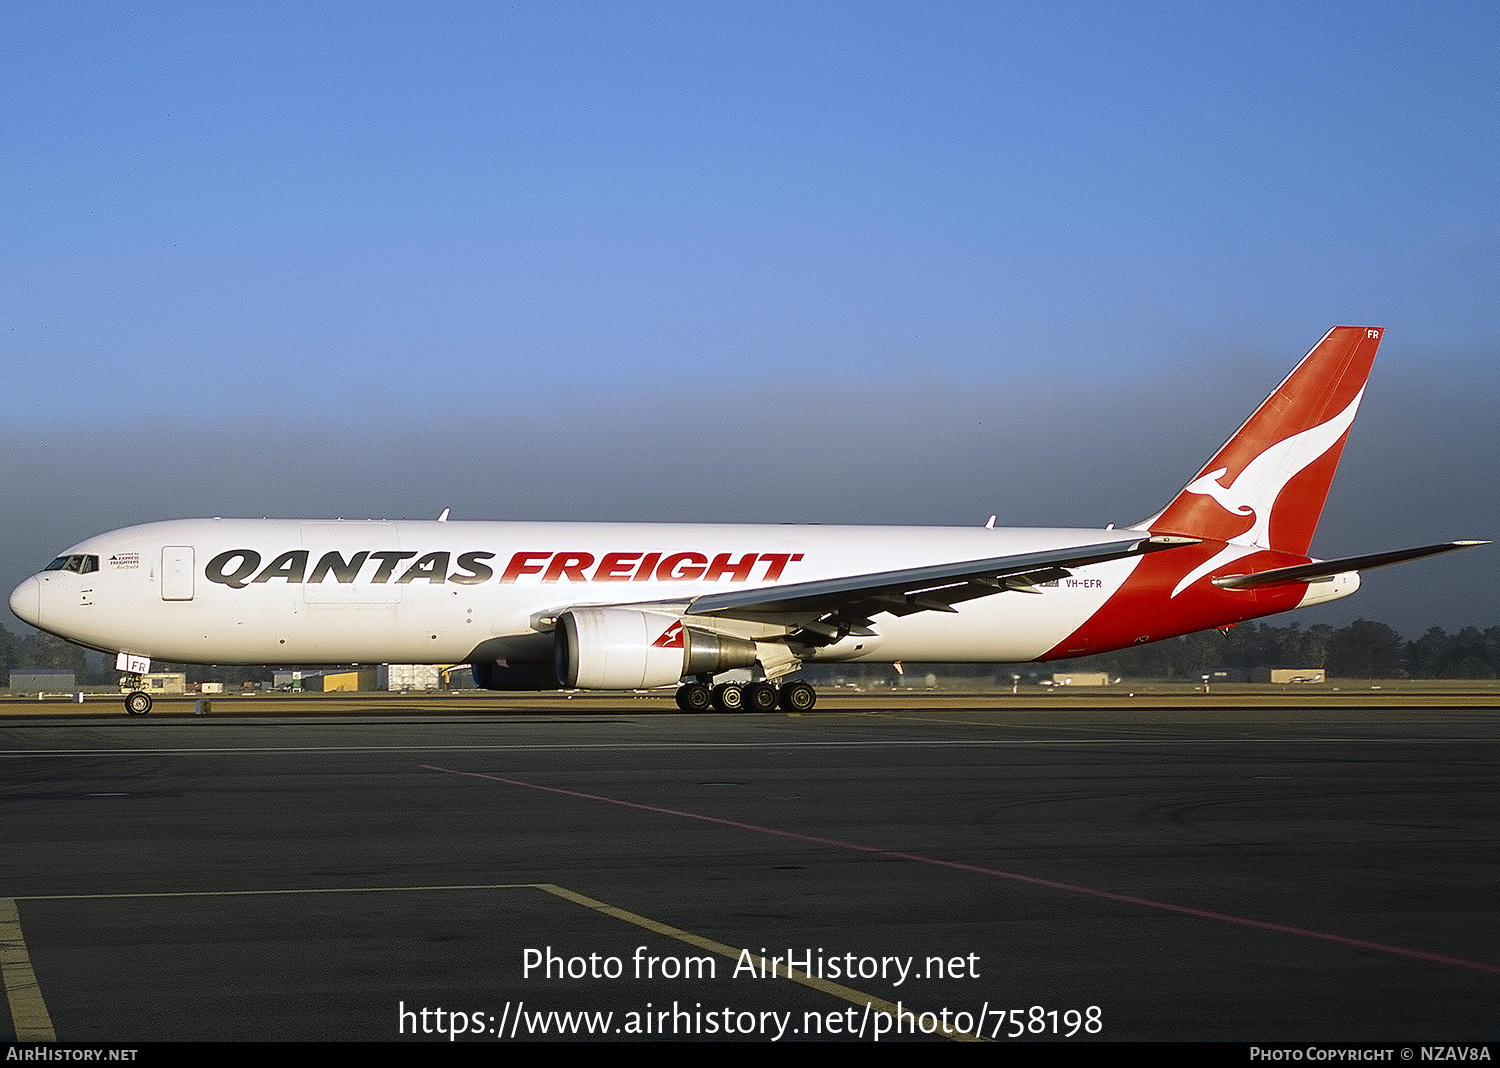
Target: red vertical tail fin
x=1267, y=485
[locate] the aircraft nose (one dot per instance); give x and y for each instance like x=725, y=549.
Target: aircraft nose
x=26, y=601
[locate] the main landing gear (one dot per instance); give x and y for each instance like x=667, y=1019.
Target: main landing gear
x=746, y=697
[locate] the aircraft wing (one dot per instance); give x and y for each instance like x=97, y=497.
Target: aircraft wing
x=1322, y=569
x=938, y=587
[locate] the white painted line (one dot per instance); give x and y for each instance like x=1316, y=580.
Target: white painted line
x=28, y=1012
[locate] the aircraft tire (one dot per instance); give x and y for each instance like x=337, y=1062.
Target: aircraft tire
x=694, y=697
x=137, y=703
x=797, y=697
x=760, y=697
x=729, y=697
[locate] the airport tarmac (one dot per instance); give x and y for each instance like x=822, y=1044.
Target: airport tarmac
x=1231, y=873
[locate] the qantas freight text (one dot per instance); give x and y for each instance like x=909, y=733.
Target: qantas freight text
x=238, y=568
x=636, y=606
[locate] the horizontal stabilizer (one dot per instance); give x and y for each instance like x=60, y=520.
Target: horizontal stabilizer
x=1323, y=569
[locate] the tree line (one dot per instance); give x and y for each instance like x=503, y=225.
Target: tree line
x=1363, y=649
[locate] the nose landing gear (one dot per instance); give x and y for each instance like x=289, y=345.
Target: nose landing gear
x=132, y=667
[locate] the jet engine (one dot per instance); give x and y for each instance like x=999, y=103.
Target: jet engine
x=489, y=675
x=629, y=649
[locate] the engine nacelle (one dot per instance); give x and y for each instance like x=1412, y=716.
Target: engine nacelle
x=489, y=675
x=629, y=649
x=514, y=662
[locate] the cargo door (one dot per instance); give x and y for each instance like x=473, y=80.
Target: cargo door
x=340, y=571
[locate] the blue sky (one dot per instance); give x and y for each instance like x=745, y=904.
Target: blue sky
x=810, y=262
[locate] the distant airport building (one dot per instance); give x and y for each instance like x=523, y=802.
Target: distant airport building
x=43, y=680
x=1294, y=675
x=411, y=677
x=325, y=680
x=351, y=681
x=1080, y=678
x=165, y=682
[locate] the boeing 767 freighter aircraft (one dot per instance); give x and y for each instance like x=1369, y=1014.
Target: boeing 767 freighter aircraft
x=604, y=606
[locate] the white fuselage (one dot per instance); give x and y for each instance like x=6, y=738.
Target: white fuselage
x=349, y=591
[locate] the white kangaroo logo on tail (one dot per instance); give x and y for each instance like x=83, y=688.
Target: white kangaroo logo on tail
x=1209, y=486
x=1255, y=489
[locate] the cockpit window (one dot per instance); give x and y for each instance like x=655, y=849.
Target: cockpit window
x=78, y=563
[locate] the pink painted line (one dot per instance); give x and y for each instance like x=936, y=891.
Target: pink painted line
x=978, y=869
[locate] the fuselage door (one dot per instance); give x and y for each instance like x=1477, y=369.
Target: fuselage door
x=177, y=573
x=337, y=551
